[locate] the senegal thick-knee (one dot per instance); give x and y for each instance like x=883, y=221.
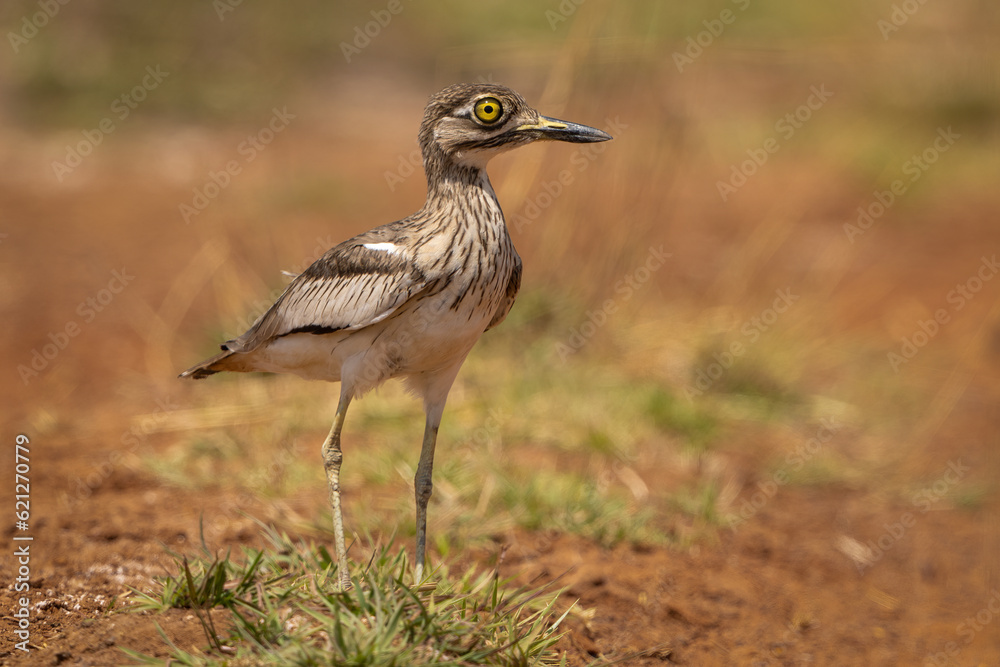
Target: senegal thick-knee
x=408, y=299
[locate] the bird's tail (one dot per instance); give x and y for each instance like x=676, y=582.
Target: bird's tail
x=225, y=361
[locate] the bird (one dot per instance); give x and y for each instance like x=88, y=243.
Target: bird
x=408, y=299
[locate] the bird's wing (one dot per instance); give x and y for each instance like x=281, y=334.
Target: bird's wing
x=357, y=283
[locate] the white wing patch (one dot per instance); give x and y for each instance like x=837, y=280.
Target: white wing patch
x=390, y=248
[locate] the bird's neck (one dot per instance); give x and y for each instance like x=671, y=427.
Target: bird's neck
x=462, y=189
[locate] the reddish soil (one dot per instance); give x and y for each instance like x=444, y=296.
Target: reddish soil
x=774, y=592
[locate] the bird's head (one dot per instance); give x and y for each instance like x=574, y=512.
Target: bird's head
x=467, y=124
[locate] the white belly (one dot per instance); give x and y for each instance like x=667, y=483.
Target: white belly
x=423, y=337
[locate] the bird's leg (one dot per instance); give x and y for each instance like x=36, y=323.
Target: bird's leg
x=423, y=486
x=435, y=394
x=332, y=458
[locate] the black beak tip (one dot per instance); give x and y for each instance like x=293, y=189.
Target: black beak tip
x=600, y=135
x=574, y=133
x=592, y=137
x=582, y=134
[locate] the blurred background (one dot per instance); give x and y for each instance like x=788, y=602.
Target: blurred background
x=761, y=323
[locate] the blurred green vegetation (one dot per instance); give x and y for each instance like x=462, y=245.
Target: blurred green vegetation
x=230, y=62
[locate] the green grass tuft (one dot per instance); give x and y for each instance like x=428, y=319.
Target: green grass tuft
x=285, y=608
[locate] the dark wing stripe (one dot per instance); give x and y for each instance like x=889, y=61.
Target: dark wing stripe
x=313, y=329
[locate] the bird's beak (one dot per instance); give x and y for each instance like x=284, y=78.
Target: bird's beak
x=561, y=130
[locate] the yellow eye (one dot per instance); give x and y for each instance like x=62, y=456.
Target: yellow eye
x=488, y=110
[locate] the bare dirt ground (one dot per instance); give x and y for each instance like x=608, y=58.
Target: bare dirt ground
x=781, y=589
x=776, y=592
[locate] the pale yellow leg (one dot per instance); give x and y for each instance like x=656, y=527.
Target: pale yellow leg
x=423, y=486
x=332, y=458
